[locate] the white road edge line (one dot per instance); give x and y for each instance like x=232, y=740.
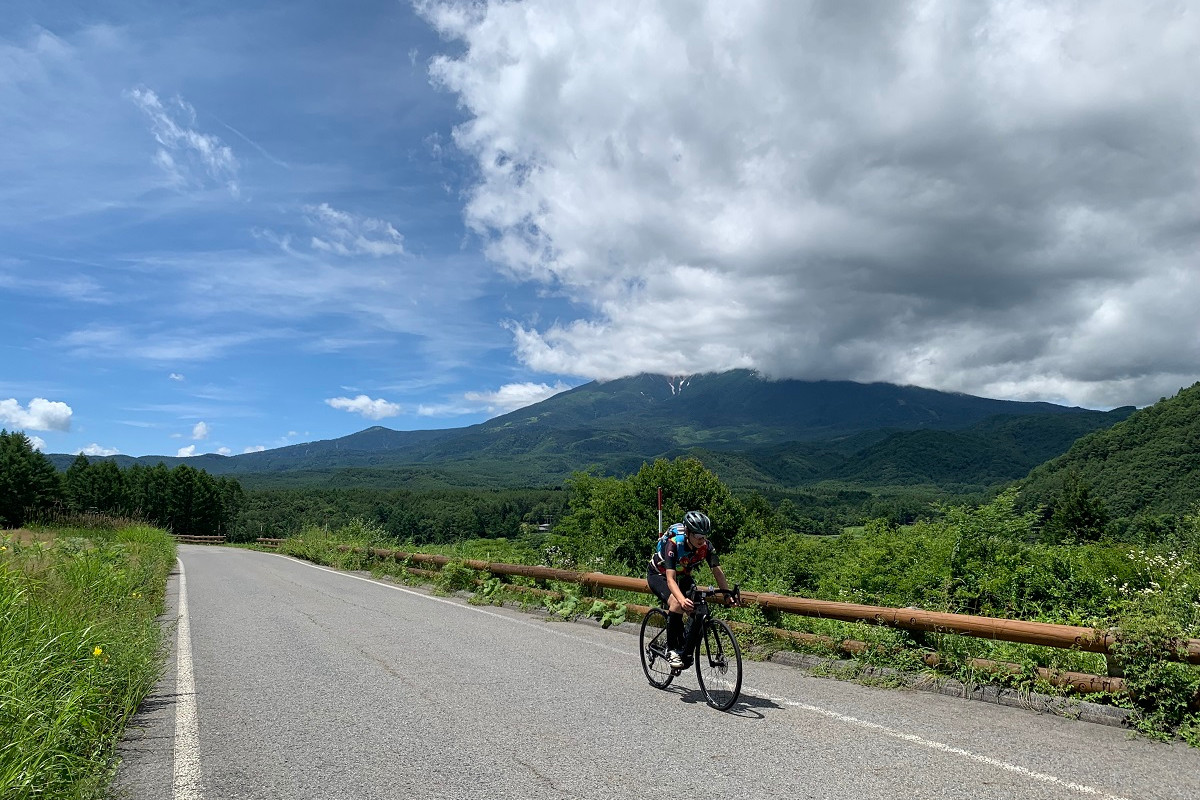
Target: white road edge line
x=825, y=712
x=187, y=779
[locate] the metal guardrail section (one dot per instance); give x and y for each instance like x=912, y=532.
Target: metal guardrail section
x=1067, y=637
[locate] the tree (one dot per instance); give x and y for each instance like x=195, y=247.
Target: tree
x=1078, y=515
x=77, y=484
x=108, y=488
x=28, y=481
x=612, y=523
x=182, y=500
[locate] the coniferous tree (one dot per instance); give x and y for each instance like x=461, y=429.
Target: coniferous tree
x=156, y=495
x=1078, y=515
x=28, y=481
x=108, y=488
x=182, y=501
x=77, y=484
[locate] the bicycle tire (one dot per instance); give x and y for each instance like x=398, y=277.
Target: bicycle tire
x=654, y=649
x=719, y=665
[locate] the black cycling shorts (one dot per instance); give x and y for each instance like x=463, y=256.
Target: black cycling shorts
x=658, y=584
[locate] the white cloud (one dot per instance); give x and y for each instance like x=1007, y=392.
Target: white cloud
x=37, y=443
x=512, y=396
x=186, y=155
x=983, y=197
x=224, y=451
x=186, y=452
x=151, y=343
x=254, y=448
x=371, y=409
x=40, y=415
x=200, y=431
x=175, y=376
x=345, y=234
x=94, y=449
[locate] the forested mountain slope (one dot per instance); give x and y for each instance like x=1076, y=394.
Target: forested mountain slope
x=1147, y=464
x=773, y=432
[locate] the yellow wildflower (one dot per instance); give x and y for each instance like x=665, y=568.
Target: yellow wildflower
x=98, y=652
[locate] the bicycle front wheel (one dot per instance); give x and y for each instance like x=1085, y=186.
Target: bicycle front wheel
x=654, y=649
x=719, y=665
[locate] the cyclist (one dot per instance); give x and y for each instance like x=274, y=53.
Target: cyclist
x=682, y=547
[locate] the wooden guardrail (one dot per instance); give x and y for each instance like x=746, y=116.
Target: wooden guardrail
x=189, y=539
x=1038, y=633
x=1067, y=637
x=1047, y=634
x=268, y=542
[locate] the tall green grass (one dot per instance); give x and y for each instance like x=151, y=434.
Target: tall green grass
x=80, y=648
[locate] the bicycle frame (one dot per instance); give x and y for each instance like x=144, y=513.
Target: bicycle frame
x=698, y=620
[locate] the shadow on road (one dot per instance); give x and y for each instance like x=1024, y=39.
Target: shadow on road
x=748, y=706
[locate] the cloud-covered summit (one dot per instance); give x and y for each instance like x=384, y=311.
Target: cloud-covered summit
x=994, y=197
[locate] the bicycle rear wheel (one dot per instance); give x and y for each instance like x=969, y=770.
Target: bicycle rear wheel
x=719, y=665
x=654, y=649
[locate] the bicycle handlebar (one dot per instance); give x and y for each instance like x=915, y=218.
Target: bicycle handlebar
x=702, y=593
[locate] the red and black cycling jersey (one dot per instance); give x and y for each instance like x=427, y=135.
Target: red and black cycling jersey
x=674, y=553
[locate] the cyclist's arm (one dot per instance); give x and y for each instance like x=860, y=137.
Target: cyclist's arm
x=719, y=574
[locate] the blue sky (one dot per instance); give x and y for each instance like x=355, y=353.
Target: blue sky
x=234, y=226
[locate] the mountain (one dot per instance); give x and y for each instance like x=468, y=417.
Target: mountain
x=1148, y=464
x=785, y=431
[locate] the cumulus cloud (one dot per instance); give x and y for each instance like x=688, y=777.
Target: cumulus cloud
x=94, y=449
x=40, y=415
x=224, y=451
x=254, y=448
x=200, y=431
x=186, y=452
x=990, y=197
x=37, y=443
x=512, y=396
x=371, y=409
x=345, y=234
x=186, y=155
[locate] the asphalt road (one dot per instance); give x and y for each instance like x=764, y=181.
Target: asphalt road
x=313, y=683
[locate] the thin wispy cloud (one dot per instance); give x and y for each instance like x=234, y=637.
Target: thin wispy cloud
x=187, y=156
x=124, y=343
x=345, y=234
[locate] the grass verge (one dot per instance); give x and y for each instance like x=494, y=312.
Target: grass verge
x=80, y=648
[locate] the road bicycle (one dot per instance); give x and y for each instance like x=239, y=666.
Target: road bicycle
x=708, y=644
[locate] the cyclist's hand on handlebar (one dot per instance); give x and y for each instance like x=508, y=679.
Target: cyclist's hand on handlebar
x=688, y=605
